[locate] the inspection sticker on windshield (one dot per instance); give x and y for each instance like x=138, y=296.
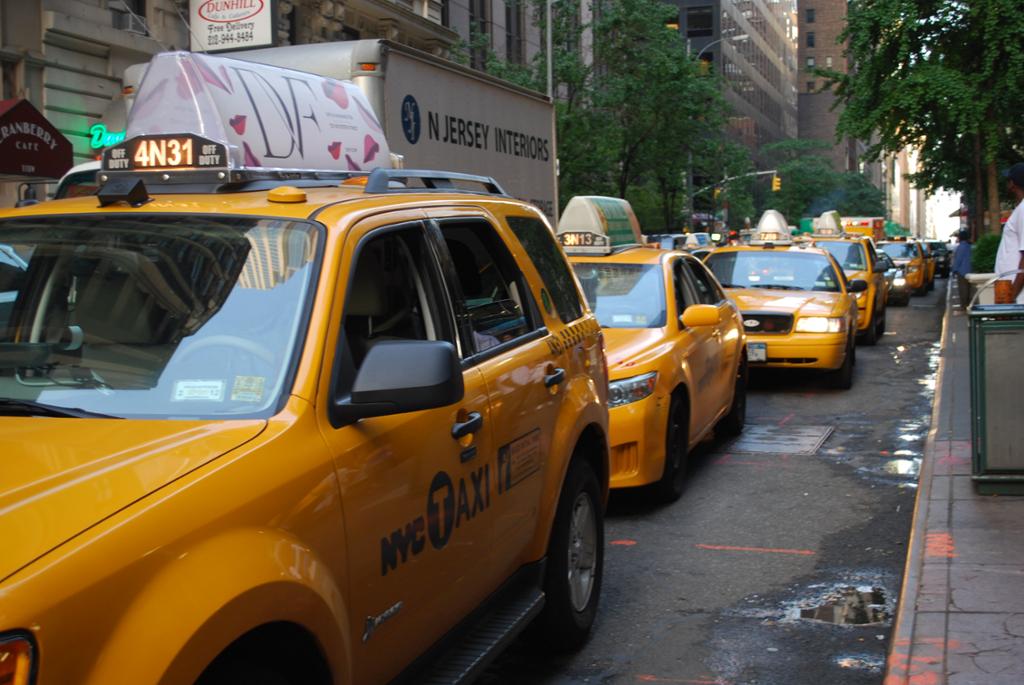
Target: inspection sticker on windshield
x=190, y=390
x=248, y=388
x=757, y=352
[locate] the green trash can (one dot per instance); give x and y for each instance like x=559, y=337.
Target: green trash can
x=997, y=376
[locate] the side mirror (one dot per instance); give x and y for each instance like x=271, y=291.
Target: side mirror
x=400, y=376
x=701, y=315
x=881, y=265
x=858, y=285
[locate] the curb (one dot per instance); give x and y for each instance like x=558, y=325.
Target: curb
x=900, y=667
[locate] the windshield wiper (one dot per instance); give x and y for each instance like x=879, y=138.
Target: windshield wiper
x=775, y=286
x=33, y=408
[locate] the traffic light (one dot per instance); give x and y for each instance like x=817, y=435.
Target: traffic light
x=718, y=191
x=776, y=183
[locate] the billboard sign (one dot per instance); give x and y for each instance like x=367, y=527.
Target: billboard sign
x=231, y=24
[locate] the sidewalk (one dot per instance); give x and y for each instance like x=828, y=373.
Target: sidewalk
x=961, y=612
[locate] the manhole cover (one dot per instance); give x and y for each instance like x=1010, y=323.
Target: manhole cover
x=781, y=439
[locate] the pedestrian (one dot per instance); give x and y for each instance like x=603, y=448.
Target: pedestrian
x=1010, y=256
x=962, y=265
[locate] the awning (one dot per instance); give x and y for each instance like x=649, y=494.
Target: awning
x=30, y=147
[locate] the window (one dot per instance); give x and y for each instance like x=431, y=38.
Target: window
x=810, y=62
x=699, y=22
x=514, y=33
x=479, y=33
x=828, y=62
x=494, y=298
x=810, y=86
x=391, y=296
x=624, y=295
x=684, y=289
x=708, y=291
x=810, y=39
x=549, y=260
x=809, y=15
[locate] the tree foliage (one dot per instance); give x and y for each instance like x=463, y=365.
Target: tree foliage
x=810, y=186
x=944, y=76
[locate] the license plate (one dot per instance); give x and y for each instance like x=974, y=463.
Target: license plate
x=757, y=352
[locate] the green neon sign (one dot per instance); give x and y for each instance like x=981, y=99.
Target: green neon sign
x=100, y=137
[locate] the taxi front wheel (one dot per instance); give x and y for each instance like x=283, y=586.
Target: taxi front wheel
x=677, y=446
x=575, y=564
x=842, y=378
x=733, y=422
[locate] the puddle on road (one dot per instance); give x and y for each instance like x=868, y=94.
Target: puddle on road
x=847, y=606
x=861, y=662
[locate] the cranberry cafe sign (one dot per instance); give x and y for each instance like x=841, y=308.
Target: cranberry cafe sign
x=30, y=146
x=231, y=24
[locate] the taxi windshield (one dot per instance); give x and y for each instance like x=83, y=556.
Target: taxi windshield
x=160, y=316
x=624, y=295
x=850, y=255
x=899, y=250
x=778, y=270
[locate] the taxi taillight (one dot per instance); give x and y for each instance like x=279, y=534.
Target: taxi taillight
x=15, y=660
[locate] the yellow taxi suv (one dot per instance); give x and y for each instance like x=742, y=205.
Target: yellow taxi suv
x=675, y=344
x=286, y=424
x=797, y=308
x=909, y=257
x=858, y=259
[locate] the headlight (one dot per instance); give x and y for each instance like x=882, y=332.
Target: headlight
x=899, y=280
x=631, y=389
x=820, y=324
x=913, y=269
x=16, y=654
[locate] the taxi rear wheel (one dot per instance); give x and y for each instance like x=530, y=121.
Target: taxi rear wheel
x=677, y=443
x=870, y=336
x=733, y=422
x=240, y=673
x=575, y=564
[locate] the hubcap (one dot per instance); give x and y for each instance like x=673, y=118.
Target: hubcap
x=582, y=552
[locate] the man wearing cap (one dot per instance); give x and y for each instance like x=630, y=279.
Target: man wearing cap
x=1010, y=255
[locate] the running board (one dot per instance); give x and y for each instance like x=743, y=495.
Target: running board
x=467, y=659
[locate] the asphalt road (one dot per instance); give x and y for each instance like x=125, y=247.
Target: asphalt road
x=722, y=587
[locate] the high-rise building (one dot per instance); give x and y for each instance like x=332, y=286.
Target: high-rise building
x=752, y=44
x=821, y=23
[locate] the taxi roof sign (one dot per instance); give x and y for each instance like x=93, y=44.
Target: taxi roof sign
x=829, y=224
x=592, y=224
x=196, y=112
x=771, y=228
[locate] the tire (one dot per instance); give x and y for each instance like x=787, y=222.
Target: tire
x=570, y=608
x=881, y=324
x=870, y=336
x=732, y=423
x=235, y=672
x=677, y=443
x=842, y=378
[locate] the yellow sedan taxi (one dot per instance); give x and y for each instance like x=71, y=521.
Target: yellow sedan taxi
x=797, y=309
x=857, y=256
x=675, y=344
x=909, y=256
x=300, y=426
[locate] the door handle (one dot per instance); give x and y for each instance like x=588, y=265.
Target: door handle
x=473, y=423
x=554, y=378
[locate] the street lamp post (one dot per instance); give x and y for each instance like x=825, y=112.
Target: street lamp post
x=738, y=38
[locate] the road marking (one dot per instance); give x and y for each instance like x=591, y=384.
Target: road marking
x=623, y=543
x=939, y=545
x=763, y=550
x=787, y=419
x=647, y=678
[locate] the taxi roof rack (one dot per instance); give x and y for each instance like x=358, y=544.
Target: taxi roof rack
x=392, y=181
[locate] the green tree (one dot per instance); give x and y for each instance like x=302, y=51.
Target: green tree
x=944, y=76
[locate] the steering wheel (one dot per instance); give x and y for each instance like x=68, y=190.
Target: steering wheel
x=229, y=342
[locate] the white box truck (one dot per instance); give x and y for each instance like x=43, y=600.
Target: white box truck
x=441, y=115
